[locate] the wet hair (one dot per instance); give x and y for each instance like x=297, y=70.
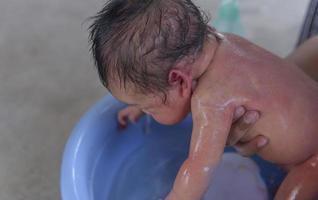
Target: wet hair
x=140, y=41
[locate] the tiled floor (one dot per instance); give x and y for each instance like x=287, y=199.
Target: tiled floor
x=47, y=80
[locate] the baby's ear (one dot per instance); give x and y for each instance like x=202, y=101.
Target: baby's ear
x=181, y=81
x=180, y=74
x=176, y=77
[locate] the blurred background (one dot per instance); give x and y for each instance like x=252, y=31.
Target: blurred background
x=48, y=80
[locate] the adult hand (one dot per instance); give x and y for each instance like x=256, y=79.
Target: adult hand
x=243, y=122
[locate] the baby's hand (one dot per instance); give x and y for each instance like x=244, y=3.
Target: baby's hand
x=131, y=113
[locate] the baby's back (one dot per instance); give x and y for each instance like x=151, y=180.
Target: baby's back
x=285, y=96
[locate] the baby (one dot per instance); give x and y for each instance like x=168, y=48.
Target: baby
x=161, y=58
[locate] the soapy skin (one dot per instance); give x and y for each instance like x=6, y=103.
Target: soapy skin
x=243, y=74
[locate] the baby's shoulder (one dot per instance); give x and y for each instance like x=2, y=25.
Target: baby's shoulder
x=211, y=93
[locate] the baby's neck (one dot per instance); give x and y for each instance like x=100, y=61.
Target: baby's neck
x=206, y=57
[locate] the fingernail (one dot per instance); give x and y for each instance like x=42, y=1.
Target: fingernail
x=251, y=118
x=239, y=111
x=262, y=142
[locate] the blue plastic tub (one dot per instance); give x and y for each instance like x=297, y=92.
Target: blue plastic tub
x=101, y=162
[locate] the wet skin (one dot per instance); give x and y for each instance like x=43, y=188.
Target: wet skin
x=243, y=74
x=240, y=74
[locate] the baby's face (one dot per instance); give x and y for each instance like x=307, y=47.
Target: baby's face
x=173, y=111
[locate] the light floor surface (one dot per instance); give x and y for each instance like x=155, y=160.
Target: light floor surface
x=47, y=79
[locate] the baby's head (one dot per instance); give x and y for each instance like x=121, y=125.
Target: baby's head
x=145, y=50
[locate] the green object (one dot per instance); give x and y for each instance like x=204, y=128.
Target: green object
x=228, y=18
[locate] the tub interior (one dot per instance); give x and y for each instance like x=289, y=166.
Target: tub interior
x=138, y=163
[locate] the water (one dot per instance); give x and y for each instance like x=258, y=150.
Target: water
x=146, y=176
x=147, y=124
x=149, y=172
x=139, y=166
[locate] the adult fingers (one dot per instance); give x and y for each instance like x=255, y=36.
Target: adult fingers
x=239, y=112
x=241, y=127
x=251, y=147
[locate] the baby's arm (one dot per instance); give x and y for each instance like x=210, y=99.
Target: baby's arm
x=301, y=182
x=211, y=125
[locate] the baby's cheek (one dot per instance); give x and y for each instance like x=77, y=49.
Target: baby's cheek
x=165, y=118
